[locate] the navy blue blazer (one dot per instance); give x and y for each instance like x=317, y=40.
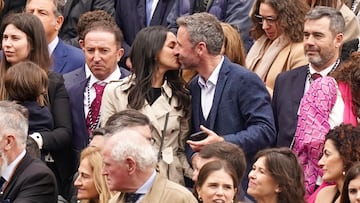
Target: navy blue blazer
x=67, y=58
x=288, y=91
x=241, y=112
x=75, y=83
x=131, y=17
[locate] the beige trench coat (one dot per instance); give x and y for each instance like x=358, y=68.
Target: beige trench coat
x=174, y=164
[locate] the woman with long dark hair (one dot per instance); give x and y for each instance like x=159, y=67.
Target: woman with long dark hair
x=156, y=89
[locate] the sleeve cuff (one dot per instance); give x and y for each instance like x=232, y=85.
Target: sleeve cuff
x=38, y=138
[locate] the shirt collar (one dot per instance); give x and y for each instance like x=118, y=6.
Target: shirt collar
x=113, y=76
x=144, y=189
x=213, y=77
x=12, y=166
x=52, y=45
x=324, y=72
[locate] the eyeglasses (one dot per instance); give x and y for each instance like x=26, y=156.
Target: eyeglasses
x=270, y=20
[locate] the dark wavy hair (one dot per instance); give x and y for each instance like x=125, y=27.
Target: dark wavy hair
x=351, y=174
x=145, y=48
x=34, y=30
x=291, y=14
x=346, y=139
x=349, y=72
x=285, y=169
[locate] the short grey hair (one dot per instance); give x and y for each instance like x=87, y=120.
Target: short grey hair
x=14, y=120
x=131, y=143
x=126, y=118
x=204, y=27
x=337, y=22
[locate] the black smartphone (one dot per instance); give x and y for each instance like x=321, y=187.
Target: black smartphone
x=198, y=136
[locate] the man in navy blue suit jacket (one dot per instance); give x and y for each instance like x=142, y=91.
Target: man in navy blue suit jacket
x=102, y=48
x=131, y=18
x=229, y=102
x=66, y=58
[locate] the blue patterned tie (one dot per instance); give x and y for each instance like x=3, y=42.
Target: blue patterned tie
x=132, y=197
x=148, y=11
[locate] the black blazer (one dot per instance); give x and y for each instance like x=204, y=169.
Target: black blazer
x=10, y=6
x=72, y=11
x=288, y=91
x=31, y=182
x=58, y=141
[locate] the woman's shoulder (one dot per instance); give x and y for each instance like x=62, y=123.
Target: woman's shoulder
x=122, y=84
x=326, y=194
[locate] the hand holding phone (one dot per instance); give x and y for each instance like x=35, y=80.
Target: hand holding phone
x=198, y=136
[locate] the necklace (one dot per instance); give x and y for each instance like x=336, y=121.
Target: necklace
x=308, y=74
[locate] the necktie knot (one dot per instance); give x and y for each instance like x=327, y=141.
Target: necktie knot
x=99, y=89
x=315, y=76
x=132, y=197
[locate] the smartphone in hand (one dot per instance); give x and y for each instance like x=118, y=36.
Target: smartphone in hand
x=198, y=136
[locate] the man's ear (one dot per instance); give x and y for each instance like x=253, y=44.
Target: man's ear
x=81, y=44
x=58, y=23
x=10, y=141
x=131, y=165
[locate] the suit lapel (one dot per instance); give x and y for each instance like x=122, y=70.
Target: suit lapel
x=69, y=4
x=141, y=10
x=298, y=88
x=58, y=57
x=196, y=103
x=220, y=85
x=18, y=171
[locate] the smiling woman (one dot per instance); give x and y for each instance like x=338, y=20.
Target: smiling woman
x=276, y=177
x=340, y=152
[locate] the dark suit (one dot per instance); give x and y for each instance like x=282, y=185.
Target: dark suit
x=241, y=112
x=31, y=182
x=288, y=91
x=131, y=17
x=72, y=11
x=67, y=58
x=16, y=6
x=58, y=141
x=75, y=83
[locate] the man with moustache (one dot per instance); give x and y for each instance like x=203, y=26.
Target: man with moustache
x=85, y=85
x=23, y=178
x=323, y=36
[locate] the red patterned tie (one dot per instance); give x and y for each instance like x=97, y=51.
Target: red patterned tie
x=92, y=119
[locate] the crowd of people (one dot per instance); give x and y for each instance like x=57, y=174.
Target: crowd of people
x=107, y=101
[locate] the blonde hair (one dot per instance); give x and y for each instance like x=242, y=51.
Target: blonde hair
x=233, y=45
x=95, y=159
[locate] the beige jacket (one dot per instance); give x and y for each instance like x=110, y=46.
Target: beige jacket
x=174, y=164
x=162, y=191
x=352, y=26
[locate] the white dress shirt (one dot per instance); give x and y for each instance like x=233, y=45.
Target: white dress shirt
x=208, y=89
